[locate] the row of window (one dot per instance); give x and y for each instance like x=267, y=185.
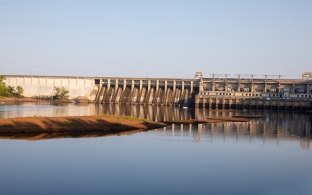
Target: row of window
x=243, y=94
x=304, y=96
x=251, y=94
x=256, y=94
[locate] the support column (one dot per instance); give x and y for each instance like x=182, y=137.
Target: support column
x=293, y=88
x=124, y=84
x=252, y=87
x=116, y=84
x=166, y=85
x=141, y=85
x=213, y=86
x=132, y=85
x=238, y=83
x=192, y=86
x=252, y=83
x=100, y=84
x=183, y=87
x=157, y=85
x=225, y=85
x=99, y=93
x=148, y=85
x=174, y=85
x=204, y=102
x=108, y=84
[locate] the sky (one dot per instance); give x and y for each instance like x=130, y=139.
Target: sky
x=155, y=38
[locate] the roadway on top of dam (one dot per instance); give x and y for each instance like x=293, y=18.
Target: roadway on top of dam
x=101, y=77
x=195, y=80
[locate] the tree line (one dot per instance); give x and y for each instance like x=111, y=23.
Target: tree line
x=9, y=91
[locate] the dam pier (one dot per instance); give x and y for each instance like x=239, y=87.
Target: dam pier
x=222, y=92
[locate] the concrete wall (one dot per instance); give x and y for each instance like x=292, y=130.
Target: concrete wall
x=44, y=85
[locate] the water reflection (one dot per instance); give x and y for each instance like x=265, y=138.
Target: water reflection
x=272, y=126
x=254, y=131
x=154, y=113
x=33, y=109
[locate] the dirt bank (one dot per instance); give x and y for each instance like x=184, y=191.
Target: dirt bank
x=85, y=126
x=15, y=100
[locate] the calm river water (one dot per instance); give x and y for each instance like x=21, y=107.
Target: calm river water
x=269, y=155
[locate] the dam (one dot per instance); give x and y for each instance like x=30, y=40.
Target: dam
x=241, y=92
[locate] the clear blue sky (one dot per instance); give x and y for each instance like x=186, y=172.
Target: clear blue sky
x=155, y=38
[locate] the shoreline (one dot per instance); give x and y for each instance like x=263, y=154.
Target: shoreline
x=18, y=100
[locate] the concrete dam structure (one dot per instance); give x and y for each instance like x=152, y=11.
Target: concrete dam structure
x=43, y=86
x=146, y=91
x=211, y=93
x=255, y=93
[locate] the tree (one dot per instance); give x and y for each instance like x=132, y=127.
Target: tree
x=19, y=91
x=2, y=78
x=10, y=91
x=60, y=93
x=3, y=88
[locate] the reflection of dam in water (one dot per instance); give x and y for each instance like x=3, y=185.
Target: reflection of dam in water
x=253, y=131
x=272, y=126
x=149, y=112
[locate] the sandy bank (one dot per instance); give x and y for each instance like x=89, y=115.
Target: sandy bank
x=15, y=100
x=85, y=126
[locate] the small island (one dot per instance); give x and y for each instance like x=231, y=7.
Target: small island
x=36, y=128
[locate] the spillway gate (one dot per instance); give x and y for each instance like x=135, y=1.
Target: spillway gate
x=180, y=92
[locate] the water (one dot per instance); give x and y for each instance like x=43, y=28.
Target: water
x=270, y=155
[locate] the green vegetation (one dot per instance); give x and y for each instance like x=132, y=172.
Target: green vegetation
x=9, y=91
x=60, y=93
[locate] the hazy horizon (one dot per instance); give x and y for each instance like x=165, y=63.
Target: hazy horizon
x=150, y=38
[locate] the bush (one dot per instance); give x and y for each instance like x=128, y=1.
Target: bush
x=60, y=93
x=9, y=91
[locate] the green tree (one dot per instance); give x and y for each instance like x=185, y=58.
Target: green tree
x=3, y=88
x=2, y=78
x=60, y=93
x=10, y=91
x=19, y=91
